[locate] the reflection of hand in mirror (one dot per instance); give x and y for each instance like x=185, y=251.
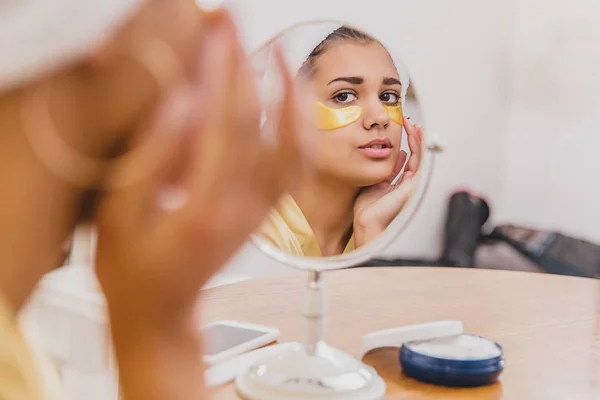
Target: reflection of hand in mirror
x=377, y=205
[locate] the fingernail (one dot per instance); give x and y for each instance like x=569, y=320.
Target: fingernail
x=209, y=7
x=407, y=117
x=222, y=19
x=212, y=14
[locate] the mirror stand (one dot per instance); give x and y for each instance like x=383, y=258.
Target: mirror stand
x=313, y=368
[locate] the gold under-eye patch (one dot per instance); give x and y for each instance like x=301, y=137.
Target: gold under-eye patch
x=336, y=118
x=395, y=113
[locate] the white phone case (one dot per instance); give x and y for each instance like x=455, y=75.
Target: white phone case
x=269, y=336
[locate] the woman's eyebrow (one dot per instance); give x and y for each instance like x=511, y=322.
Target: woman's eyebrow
x=391, y=81
x=355, y=80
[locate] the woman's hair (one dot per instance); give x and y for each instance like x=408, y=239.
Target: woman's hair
x=342, y=34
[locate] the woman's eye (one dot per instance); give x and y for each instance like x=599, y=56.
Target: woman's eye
x=344, y=97
x=390, y=98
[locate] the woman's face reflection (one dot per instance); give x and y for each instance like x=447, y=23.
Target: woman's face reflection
x=356, y=74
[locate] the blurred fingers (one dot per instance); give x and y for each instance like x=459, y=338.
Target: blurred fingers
x=284, y=159
x=134, y=181
x=212, y=136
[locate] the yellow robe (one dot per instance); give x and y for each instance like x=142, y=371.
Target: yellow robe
x=25, y=374
x=287, y=229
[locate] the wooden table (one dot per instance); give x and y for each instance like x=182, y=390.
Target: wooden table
x=549, y=325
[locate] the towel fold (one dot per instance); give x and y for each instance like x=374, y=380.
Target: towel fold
x=38, y=37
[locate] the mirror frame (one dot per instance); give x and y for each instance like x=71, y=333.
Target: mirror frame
x=431, y=146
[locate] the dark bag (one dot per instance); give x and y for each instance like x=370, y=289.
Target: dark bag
x=552, y=251
x=542, y=251
x=465, y=218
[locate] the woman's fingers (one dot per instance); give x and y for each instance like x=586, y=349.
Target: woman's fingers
x=286, y=154
x=400, y=161
x=392, y=203
x=135, y=182
x=212, y=137
x=407, y=175
x=415, y=153
x=408, y=127
x=419, y=147
x=243, y=99
x=415, y=134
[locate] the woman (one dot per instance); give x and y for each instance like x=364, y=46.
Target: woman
x=349, y=200
x=80, y=83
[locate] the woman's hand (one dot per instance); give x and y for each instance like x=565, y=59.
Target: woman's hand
x=377, y=205
x=152, y=260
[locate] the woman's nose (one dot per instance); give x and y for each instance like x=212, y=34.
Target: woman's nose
x=374, y=115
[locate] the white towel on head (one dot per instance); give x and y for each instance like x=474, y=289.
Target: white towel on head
x=39, y=36
x=299, y=42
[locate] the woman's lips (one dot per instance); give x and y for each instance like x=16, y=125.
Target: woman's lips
x=378, y=148
x=378, y=153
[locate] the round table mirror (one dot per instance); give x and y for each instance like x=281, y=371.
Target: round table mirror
x=367, y=169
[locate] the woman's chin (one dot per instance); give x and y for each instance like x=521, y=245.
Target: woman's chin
x=373, y=179
x=364, y=174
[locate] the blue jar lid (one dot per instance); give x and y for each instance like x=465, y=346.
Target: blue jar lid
x=462, y=360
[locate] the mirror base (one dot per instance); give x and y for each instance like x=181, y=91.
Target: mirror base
x=294, y=374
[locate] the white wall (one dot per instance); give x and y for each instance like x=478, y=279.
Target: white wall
x=554, y=124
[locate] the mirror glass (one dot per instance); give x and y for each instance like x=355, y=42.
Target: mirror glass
x=363, y=123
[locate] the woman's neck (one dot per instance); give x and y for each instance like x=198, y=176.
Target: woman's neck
x=328, y=206
x=37, y=211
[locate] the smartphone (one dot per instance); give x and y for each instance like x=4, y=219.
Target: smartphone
x=227, y=339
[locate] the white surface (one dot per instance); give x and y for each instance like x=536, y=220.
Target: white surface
x=83, y=245
x=89, y=386
x=226, y=371
x=71, y=317
x=457, y=347
x=69, y=310
x=294, y=375
x=268, y=335
x=554, y=122
x=225, y=278
x=396, y=337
